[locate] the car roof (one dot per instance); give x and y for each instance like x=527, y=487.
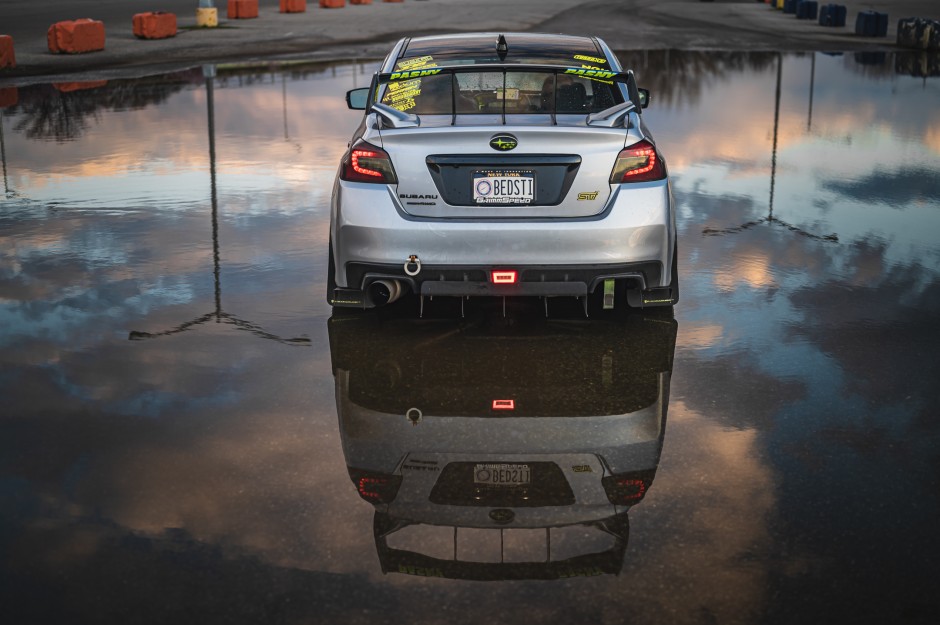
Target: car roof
x=540, y=48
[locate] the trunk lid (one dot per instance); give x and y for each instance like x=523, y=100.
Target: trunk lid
x=440, y=166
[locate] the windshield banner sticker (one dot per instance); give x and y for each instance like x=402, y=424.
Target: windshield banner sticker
x=401, y=95
x=590, y=59
x=415, y=63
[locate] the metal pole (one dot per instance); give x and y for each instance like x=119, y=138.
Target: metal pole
x=773, y=156
x=284, y=101
x=812, y=84
x=3, y=156
x=209, y=72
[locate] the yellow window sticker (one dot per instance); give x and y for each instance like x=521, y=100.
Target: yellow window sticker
x=591, y=59
x=596, y=74
x=401, y=95
x=415, y=63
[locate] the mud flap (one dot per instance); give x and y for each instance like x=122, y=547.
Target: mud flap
x=349, y=298
x=662, y=296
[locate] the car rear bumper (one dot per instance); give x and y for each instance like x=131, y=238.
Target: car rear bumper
x=373, y=239
x=377, y=440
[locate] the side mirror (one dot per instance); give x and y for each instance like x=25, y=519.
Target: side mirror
x=356, y=99
x=644, y=97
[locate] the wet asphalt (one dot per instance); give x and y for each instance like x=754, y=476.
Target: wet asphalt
x=189, y=434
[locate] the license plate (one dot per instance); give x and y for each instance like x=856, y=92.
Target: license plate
x=502, y=474
x=503, y=187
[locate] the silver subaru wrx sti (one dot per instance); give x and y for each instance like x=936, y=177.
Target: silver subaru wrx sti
x=502, y=165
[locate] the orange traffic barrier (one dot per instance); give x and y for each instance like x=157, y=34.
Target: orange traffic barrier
x=242, y=9
x=76, y=36
x=66, y=87
x=154, y=25
x=293, y=6
x=360, y=1
x=9, y=96
x=7, y=57
x=332, y=4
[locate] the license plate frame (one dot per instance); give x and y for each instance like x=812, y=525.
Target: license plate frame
x=503, y=186
x=502, y=474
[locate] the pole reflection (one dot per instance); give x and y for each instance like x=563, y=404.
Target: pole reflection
x=770, y=218
x=220, y=316
x=3, y=156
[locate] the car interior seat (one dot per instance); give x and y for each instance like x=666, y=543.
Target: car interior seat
x=571, y=98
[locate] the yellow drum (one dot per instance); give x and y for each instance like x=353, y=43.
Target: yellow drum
x=208, y=18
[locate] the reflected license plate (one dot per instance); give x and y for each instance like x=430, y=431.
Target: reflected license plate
x=503, y=187
x=502, y=474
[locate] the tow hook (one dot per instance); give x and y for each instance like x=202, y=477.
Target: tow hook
x=413, y=415
x=413, y=265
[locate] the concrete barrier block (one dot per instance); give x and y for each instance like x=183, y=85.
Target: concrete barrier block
x=242, y=9
x=293, y=6
x=871, y=24
x=807, y=10
x=332, y=4
x=832, y=15
x=9, y=96
x=155, y=25
x=916, y=32
x=76, y=36
x=7, y=56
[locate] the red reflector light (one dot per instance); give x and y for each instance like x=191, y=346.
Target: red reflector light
x=638, y=163
x=368, y=163
x=631, y=490
x=627, y=489
x=504, y=404
x=504, y=276
x=365, y=156
x=375, y=487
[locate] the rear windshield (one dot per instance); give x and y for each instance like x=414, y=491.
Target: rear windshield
x=501, y=92
x=522, y=48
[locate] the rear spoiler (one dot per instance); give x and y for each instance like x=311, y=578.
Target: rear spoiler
x=603, y=75
x=586, y=72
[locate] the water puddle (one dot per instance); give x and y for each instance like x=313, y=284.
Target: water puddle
x=179, y=403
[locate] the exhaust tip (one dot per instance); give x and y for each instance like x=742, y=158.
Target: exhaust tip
x=383, y=292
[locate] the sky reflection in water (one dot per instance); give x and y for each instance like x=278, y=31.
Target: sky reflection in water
x=799, y=471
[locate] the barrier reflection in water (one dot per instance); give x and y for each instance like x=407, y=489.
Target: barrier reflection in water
x=499, y=449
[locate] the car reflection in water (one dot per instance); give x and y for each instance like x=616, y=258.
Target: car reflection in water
x=497, y=448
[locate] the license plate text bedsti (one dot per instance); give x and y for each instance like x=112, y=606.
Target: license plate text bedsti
x=503, y=187
x=502, y=474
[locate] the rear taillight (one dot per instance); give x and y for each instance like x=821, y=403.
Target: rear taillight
x=638, y=163
x=627, y=489
x=375, y=487
x=367, y=163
